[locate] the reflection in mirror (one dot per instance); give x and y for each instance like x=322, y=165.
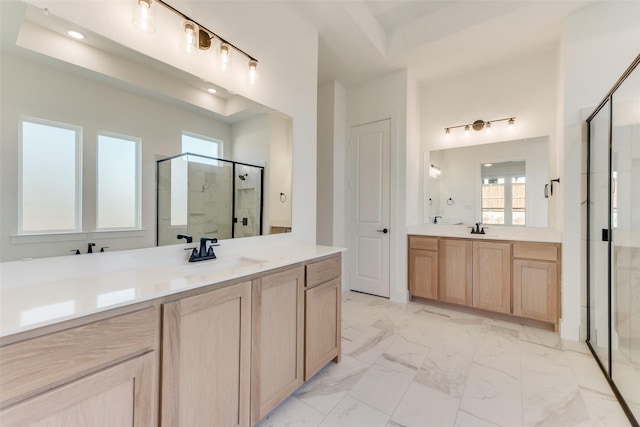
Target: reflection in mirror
x=206, y=197
x=102, y=88
x=503, y=193
x=460, y=195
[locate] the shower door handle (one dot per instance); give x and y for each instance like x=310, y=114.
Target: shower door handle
x=605, y=235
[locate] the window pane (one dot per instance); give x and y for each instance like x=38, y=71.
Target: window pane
x=117, y=182
x=202, y=145
x=49, y=177
x=492, y=201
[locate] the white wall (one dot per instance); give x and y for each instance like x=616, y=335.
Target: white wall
x=379, y=99
x=525, y=89
x=600, y=41
x=280, y=170
x=287, y=50
x=41, y=91
x=325, y=162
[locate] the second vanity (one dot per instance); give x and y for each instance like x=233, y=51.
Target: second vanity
x=517, y=276
x=219, y=343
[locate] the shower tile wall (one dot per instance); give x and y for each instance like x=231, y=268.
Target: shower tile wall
x=248, y=204
x=209, y=201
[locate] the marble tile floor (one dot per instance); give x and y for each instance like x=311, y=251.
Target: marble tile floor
x=420, y=365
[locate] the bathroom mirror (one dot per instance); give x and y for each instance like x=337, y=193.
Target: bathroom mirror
x=100, y=87
x=455, y=179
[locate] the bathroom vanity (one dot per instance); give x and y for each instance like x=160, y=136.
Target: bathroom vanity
x=219, y=342
x=519, y=277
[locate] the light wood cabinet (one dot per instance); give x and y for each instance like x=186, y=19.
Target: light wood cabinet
x=206, y=359
x=98, y=374
x=456, y=271
x=492, y=276
x=535, y=281
x=323, y=300
x=277, y=339
x=118, y=396
x=423, y=267
x=518, y=278
x=228, y=355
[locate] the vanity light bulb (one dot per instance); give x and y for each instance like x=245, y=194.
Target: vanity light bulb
x=189, y=43
x=253, y=72
x=447, y=133
x=466, y=130
x=488, y=128
x=512, y=123
x=224, y=58
x=144, y=16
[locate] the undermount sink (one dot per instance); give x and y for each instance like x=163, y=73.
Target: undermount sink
x=217, y=265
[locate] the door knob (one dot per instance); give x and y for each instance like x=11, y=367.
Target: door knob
x=384, y=230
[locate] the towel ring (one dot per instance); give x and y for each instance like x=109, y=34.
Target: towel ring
x=450, y=201
x=283, y=197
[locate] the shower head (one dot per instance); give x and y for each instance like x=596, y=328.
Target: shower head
x=243, y=176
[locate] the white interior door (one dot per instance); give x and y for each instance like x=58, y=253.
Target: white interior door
x=369, y=218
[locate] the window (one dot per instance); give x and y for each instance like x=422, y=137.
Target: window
x=118, y=182
x=50, y=178
x=504, y=193
x=197, y=144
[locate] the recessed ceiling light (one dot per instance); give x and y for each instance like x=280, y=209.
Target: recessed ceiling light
x=211, y=90
x=75, y=34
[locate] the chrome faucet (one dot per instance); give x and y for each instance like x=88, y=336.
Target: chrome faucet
x=205, y=252
x=435, y=219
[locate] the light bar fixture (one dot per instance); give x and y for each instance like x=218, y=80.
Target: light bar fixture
x=196, y=36
x=478, y=125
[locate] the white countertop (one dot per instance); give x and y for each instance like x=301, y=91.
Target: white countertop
x=524, y=234
x=46, y=291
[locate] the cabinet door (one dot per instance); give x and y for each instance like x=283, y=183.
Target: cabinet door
x=277, y=339
x=423, y=273
x=321, y=326
x=492, y=276
x=535, y=289
x=455, y=271
x=118, y=396
x=206, y=359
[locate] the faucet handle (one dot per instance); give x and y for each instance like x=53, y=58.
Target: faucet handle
x=187, y=237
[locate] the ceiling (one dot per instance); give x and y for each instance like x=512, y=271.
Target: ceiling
x=360, y=40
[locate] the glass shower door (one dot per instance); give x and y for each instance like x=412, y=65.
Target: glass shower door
x=625, y=213
x=247, y=215
x=598, y=235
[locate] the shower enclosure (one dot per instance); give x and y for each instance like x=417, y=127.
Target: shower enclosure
x=613, y=238
x=207, y=197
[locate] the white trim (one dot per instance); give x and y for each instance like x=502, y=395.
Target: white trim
x=117, y=233
x=78, y=173
x=18, y=239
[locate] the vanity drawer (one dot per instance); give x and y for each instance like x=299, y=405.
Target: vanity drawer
x=323, y=271
x=36, y=364
x=541, y=251
x=426, y=243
